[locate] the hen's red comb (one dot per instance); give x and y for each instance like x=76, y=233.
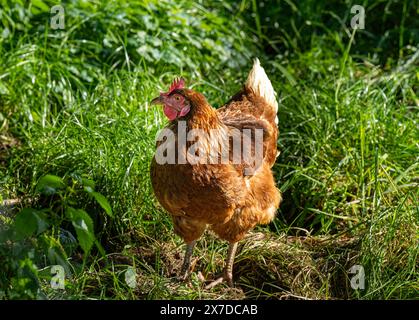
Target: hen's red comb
x=178, y=83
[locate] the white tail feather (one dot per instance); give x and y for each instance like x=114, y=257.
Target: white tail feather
x=260, y=84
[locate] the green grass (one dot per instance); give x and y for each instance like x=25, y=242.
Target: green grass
x=75, y=103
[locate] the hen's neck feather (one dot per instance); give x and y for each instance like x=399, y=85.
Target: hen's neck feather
x=202, y=115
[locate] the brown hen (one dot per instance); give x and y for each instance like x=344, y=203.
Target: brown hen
x=212, y=167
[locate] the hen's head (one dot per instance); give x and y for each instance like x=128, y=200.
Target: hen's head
x=175, y=101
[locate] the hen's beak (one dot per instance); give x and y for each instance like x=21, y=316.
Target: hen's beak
x=158, y=100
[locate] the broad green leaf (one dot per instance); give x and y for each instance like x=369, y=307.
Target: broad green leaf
x=49, y=184
x=28, y=222
x=83, y=224
x=103, y=202
x=42, y=221
x=88, y=189
x=88, y=183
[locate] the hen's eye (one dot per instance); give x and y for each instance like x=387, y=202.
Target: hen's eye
x=177, y=98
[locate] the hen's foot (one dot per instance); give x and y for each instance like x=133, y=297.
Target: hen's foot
x=227, y=277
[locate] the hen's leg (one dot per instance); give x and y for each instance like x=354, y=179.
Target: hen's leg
x=228, y=269
x=184, y=272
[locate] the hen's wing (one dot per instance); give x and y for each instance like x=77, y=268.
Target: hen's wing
x=247, y=110
x=255, y=106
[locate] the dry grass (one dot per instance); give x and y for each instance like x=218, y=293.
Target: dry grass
x=267, y=266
